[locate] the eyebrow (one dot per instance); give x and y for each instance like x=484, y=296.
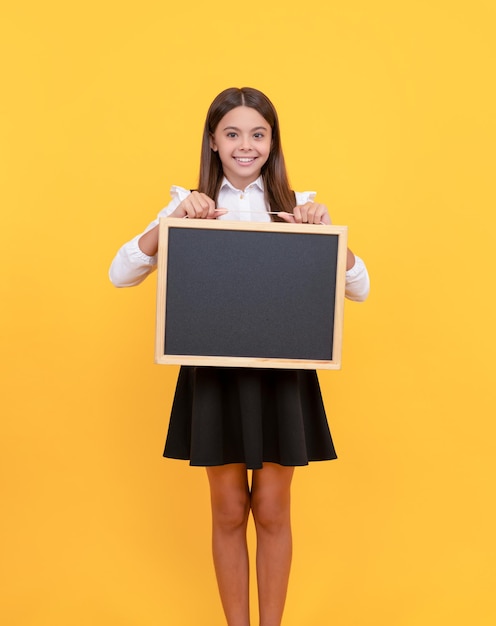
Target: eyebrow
x=253, y=129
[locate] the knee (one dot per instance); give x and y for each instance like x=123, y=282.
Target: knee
x=271, y=515
x=231, y=513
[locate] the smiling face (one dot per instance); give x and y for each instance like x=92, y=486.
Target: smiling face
x=243, y=140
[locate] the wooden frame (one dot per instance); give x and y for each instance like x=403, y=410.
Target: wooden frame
x=264, y=286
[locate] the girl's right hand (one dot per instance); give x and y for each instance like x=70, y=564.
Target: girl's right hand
x=197, y=206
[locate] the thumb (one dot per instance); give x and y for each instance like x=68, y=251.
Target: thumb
x=218, y=213
x=287, y=217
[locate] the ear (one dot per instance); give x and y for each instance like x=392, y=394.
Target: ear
x=213, y=145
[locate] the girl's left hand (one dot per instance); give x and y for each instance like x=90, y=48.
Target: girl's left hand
x=308, y=213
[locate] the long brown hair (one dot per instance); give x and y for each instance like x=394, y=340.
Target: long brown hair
x=278, y=193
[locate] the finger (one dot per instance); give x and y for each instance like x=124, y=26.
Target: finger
x=190, y=210
x=321, y=214
x=199, y=205
x=313, y=213
x=287, y=217
x=298, y=218
x=208, y=207
x=326, y=219
x=218, y=213
x=211, y=212
x=306, y=212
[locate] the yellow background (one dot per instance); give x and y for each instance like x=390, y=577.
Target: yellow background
x=387, y=109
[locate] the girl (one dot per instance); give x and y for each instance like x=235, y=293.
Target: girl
x=232, y=420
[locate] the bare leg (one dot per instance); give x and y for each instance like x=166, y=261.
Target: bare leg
x=270, y=503
x=230, y=500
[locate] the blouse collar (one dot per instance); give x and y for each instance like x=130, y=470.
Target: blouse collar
x=256, y=183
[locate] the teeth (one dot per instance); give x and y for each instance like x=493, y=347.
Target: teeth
x=244, y=160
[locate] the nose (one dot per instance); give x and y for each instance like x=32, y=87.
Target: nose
x=245, y=142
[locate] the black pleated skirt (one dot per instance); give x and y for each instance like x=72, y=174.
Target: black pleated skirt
x=247, y=415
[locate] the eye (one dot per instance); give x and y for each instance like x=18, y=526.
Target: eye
x=231, y=134
x=258, y=135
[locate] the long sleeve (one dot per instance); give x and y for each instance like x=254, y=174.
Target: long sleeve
x=357, y=278
x=131, y=266
x=357, y=281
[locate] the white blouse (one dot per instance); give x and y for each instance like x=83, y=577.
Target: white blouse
x=131, y=266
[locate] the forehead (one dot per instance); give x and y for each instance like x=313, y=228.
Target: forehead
x=243, y=117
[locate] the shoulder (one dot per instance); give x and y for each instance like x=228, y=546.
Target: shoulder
x=178, y=194
x=304, y=196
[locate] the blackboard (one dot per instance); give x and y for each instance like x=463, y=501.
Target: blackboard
x=250, y=294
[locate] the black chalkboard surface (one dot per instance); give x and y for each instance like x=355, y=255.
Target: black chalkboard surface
x=250, y=294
